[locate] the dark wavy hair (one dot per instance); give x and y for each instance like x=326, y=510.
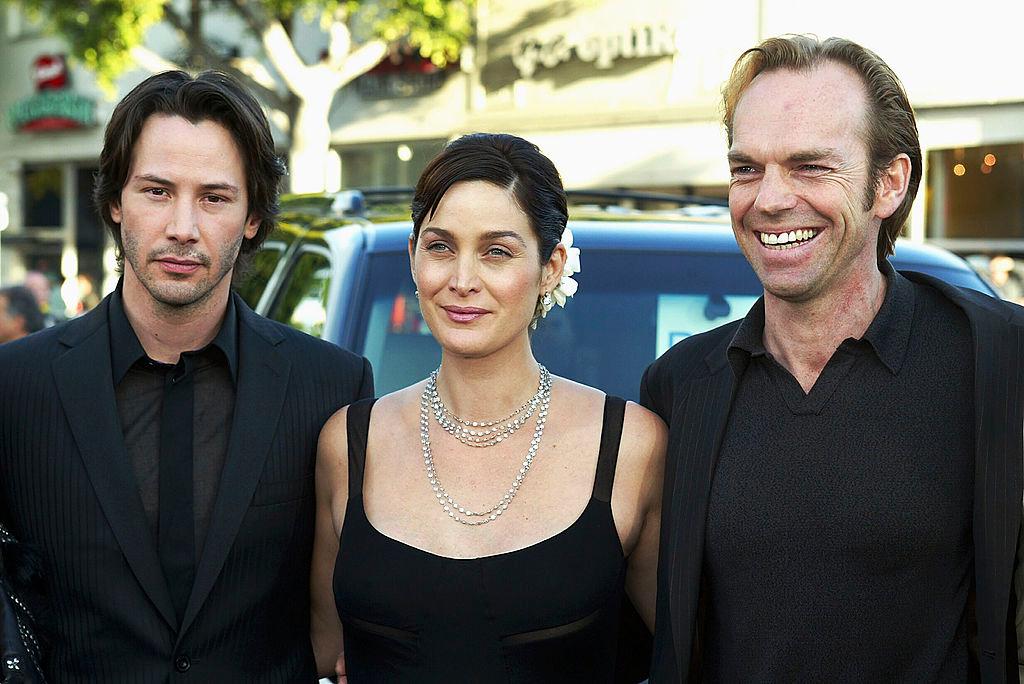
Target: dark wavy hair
x=508, y=162
x=208, y=96
x=890, y=128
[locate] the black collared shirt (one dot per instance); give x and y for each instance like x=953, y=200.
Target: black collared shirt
x=838, y=540
x=139, y=388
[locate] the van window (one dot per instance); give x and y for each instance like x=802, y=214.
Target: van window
x=302, y=303
x=264, y=262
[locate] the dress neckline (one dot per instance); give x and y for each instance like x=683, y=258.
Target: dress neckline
x=591, y=503
x=611, y=431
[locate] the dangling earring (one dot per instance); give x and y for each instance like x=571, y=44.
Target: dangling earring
x=546, y=301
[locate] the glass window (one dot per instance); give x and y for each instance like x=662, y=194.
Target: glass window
x=976, y=192
x=302, y=303
x=253, y=283
x=386, y=164
x=44, y=196
x=90, y=234
x=264, y=262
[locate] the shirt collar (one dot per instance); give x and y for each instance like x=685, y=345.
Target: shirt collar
x=888, y=335
x=126, y=350
x=748, y=340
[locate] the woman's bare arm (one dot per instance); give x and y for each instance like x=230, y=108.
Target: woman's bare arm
x=331, y=494
x=642, y=463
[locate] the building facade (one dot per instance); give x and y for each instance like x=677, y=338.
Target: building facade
x=619, y=93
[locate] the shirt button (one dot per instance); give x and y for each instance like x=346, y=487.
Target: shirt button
x=182, y=663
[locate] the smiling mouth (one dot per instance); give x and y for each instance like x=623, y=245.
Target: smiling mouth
x=787, y=240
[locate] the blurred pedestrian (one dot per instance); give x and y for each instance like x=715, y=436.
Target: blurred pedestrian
x=19, y=313
x=88, y=296
x=1006, y=276
x=41, y=287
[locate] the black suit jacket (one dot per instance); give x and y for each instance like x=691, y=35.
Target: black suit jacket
x=67, y=488
x=692, y=386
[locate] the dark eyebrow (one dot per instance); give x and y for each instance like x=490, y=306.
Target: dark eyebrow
x=151, y=178
x=439, y=232
x=223, y=187
x=489, y=235
x=811, y=155
x=801, y=157
x=735, y=157
x=496, y=234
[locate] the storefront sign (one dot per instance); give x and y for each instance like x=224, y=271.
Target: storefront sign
x=402, y=75
x=54, y=106
x=643, y=40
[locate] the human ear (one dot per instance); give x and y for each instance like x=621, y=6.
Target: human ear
x=551, y=273
x=252, y=226
x=115, y=211
x=412, y=258
x=892, y=186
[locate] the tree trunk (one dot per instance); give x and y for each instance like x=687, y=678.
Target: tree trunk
x=311, y=141
x=195, y=36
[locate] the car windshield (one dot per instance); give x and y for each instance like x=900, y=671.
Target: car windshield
x=631, y=307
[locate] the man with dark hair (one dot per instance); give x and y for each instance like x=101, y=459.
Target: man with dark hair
x=843, y=487
x=159, y=451
x=19, y=313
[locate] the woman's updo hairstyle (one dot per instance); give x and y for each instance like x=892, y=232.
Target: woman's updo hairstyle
x=508, y=162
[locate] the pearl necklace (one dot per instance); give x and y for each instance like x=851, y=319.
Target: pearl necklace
x=456, y=512
x=483, y=433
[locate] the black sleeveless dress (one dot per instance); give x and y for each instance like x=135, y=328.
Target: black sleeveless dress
x=545, y=613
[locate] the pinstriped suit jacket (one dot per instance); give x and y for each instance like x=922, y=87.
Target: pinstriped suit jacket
x=67, y=487
x=692, y=385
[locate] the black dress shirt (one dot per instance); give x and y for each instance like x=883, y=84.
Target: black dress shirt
x=139, y=388
x=838, y=544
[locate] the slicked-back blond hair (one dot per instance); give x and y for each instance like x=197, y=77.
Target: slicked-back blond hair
x=889, y=128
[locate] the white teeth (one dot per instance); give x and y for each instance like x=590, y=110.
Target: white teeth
x=787, y=240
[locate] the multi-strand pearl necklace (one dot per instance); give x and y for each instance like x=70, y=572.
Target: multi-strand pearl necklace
x=455, y=511
x=477, y=433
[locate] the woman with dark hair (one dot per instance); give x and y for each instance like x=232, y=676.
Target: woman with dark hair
x=491, y=516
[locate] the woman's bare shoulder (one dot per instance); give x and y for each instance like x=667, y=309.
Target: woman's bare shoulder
x=644, y=439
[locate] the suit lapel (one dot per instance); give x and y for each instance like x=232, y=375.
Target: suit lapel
x=703, y=414
x=263, y=373
x=84, y=382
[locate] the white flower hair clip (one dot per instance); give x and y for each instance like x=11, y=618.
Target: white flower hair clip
x=566, y=285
